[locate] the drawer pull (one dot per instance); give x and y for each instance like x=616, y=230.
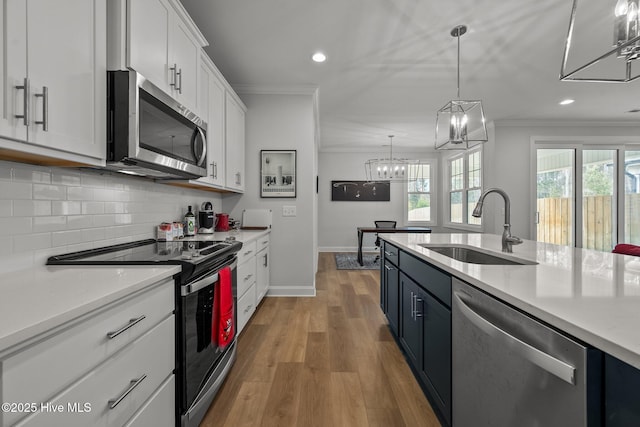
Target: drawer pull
x=264, y=242
x=247, y=277
x=248, y=308
x=131, y=323
x=133, y=384
x=389, y=268
x=246, y=253
x=387, y=253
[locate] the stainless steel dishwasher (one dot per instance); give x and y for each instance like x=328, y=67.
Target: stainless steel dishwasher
x=511, y=370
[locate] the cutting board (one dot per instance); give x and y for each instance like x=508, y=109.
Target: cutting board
x=252, y=218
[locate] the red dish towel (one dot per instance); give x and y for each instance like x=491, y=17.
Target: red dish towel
x=627, y=249
x=223, y=328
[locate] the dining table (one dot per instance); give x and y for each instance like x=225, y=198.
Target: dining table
x=363, y=230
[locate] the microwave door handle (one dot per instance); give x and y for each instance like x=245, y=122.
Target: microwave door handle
x=202, y=158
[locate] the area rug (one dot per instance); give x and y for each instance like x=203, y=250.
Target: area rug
x=349, y=261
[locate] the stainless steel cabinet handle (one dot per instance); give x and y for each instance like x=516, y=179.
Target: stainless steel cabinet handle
x=179, y=75
x=387, y=253
x=247, y=277
x=554, y=366
x=134, y=383
x=174, y=76
x=419, y=313
x=25, y=100
x=413, y=310
x=247, y=253
x=248, y=308
x=266, y=260
x=389, y=268
x=214, y=170
x=45, y=108
x=238, y=178
x=131, y=323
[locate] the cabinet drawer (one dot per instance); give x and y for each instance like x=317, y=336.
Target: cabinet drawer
x=248, y=250
x=262, y=243
x=159, y=410
x=391, y=253
x=35, y=374
x=430, y=278
x=246, y=275
x=151, y=357
x=246, y=307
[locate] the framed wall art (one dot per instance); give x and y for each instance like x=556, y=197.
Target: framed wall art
x=278, y=173
x=360, y=191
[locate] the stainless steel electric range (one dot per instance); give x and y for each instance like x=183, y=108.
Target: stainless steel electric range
x=201, y=364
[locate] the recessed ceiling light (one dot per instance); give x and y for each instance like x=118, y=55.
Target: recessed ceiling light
x=319, y=57
x=567, y=101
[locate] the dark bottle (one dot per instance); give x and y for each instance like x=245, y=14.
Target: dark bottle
x=189, y=223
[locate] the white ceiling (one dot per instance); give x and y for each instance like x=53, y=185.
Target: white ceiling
x=392, y=63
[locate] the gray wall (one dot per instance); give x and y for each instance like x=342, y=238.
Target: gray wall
x=337, y=221
x=283, y=122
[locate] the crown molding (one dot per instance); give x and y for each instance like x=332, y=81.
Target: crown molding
x=249, y=89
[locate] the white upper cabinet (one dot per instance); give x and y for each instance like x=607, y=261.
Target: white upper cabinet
x=235, y=138
x=164, y=46
x=211, y=100
x=148, y=39
x=54, y=90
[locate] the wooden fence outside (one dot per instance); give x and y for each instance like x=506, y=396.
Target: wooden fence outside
x=555, y=222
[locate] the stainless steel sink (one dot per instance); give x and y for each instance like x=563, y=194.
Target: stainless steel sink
x=473, y=256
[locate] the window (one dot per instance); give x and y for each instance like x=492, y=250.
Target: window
x=465, y=187
x=420, y=194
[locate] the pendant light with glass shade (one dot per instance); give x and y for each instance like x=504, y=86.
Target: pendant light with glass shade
x=460, y=124
x=391, y=168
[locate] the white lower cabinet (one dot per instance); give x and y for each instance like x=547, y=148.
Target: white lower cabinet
x=98, y=370
x=253, y=277
x=262, y=269
x=246, y=306
x=246, y=283
x=158, y=410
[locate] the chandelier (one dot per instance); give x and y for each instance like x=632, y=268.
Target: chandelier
x=460, y=124
x=591, y=54
x=391, y=168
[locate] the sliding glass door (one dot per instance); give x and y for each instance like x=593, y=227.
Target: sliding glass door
x=599, y=199
x=593, y=206
x=555, y=196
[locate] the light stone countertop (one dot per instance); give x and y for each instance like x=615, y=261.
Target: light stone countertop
x=39, y=299
x=592, y=295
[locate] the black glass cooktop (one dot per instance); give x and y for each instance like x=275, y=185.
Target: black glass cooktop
x=151, y=251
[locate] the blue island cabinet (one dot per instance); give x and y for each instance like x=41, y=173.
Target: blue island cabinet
x=621, y=393
x=418, y=297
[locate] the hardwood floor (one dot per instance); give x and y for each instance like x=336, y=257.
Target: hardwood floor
x=329, y=360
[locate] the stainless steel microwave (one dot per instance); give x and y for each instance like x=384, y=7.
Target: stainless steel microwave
x=151, y=134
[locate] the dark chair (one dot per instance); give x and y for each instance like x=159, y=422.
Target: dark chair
x=382, y=224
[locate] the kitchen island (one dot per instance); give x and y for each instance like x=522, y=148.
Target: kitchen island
x=591, y=297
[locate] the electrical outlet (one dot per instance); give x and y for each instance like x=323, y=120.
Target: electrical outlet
x=288, y=211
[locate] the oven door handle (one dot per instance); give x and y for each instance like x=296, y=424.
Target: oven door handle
x=207, y=281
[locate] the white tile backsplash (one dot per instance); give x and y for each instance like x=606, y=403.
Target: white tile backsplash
x=49, y=211
x=31, y=207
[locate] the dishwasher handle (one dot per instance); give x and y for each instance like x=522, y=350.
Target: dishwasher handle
x=545, y=361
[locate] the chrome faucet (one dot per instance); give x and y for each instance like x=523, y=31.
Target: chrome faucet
x=507, y=239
